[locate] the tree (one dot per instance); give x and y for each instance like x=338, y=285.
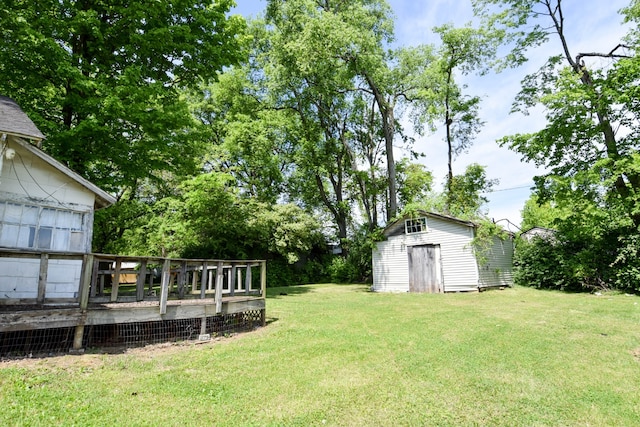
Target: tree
x=414, y=182
x=536, y=214
x=584, y=107
x=397, y=81
x=465, y=199
x=247, y=138
x=463, y=50
x=102, y=79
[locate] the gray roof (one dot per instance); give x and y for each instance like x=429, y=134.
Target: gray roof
x=14, y=121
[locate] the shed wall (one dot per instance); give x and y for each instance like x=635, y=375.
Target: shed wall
x=497, y=270
x=459, y=268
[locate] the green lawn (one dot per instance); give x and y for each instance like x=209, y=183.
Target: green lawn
x=340, y=355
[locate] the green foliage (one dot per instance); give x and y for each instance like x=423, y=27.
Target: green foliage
x=359, y=256
x=102, y=79
x=209, y=219
x=340, y=270
x=597, y=256
x=464, y=197
x=483, y=240
x=537, y=214
x=414, y=182
x=542, y=264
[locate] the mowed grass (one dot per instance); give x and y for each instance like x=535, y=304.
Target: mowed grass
x=340, y=355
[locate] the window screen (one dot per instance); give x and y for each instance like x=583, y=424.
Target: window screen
x=34, y=227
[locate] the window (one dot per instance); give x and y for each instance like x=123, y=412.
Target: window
x=33, y=227
x=417, y=225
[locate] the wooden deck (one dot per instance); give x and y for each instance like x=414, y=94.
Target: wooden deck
x=119, y=290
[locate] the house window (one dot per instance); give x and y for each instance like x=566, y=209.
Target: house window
x=417, y=225
x=36, y=227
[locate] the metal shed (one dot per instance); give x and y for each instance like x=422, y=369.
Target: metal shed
x=433, y=253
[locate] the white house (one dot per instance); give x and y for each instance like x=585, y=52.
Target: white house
x=434, y=253
x=44, y=208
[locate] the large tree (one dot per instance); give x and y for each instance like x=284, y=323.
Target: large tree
x=102, y=79
x=585, y=106
x=462, y=51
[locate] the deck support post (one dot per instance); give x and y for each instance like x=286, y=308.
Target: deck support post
x=88, y=268
x=203, y=326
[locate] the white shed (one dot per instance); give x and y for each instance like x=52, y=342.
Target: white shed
x=434, y=253
x=44, y=208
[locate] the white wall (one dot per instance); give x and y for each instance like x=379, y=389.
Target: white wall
x=27, y=173
x=19, y=278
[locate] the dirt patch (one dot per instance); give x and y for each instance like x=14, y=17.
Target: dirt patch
x=636, y=354
x=95, y=358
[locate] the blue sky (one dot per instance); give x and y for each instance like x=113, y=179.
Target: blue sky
x=592, y=25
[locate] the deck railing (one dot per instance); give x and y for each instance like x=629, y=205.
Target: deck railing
x=108, y=278
x=76, y=290
x=129, y=278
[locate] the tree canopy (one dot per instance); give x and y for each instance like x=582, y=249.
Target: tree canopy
x=103, y=79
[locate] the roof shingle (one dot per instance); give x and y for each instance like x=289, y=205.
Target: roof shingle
x=15, y=122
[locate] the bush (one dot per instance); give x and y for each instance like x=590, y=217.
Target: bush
x=340, y=270
x=581, y=261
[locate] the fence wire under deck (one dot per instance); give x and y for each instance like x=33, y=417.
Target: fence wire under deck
x=58, y=340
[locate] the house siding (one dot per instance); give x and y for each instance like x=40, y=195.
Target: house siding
x=26, y=173
x=459, y=268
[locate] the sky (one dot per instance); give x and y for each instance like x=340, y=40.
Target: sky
x=592, y=26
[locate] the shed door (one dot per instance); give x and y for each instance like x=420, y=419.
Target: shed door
x=424, y=268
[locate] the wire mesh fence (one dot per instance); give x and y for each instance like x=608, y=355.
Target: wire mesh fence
x=136, y=334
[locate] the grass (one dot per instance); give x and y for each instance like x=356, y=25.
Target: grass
x=340, y=355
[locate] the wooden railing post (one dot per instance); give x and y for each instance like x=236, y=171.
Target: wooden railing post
x=233, y=281
x=142, y=275
x=263, y=278
x=164, y=286
x=247, y=280
x=116, y=281
x=219, y=278
x=182, y=279
x=86, y=280
x=42, y=278
x=94, y=279
x=203, y=279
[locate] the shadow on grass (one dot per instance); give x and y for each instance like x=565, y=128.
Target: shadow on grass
x=282, y=291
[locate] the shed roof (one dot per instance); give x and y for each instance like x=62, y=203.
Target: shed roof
x=14, y=121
